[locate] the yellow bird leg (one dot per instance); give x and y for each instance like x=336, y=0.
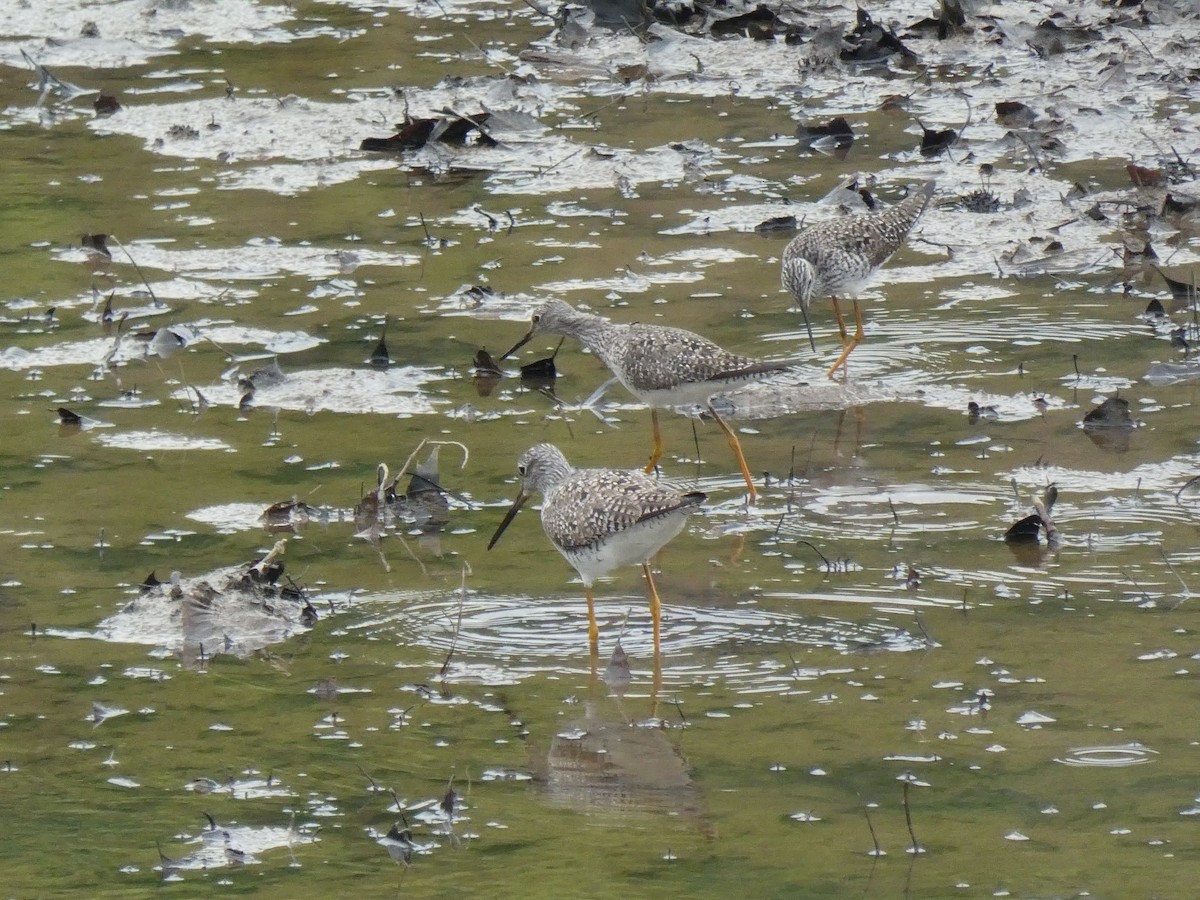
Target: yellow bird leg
x=736, y=446
x=593, y=628
x=849, y=343
x=657, y=452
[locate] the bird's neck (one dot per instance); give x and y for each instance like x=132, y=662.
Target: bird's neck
x=554, y=474
x=594, y=332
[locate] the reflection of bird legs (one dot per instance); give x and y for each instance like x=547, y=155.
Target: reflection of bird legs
x=736, y=446
x=739, y=547
x=848, y=342
x=656, y=617
x=859, y=422
x=657, y=452
x=655, y=608
x=655, y=686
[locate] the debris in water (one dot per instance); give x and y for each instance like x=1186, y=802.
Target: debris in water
x=868, y=43
x=97, y=243
x=1144, y=177
x=541, y=373
x=379, y=356
x=1112, y=413
x=106, y=105
x=977, y=413
x=236, y=610
x=935, y=141
x=776, y=224
x=833, y=134
x=1024, y=536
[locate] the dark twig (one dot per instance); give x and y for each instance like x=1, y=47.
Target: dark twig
x=462, y=599
x=916, y=848
x=137, y=268
x=1171, y=569
x=878, y=851
x=1141, y=590
x=818, y=552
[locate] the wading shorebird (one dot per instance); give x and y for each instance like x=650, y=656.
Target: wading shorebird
x=661, y=366
x=600, y=519
x=837, y=257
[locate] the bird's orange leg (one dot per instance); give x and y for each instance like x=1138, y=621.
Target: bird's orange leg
x=593, y=628
x=655, y=609
x=848, y=343
x=657, y=452
x=736, y=446
x=841, y=323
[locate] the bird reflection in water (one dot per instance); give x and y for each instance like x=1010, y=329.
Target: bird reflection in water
x=604, y=761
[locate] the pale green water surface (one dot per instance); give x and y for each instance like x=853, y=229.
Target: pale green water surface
x=794, y=698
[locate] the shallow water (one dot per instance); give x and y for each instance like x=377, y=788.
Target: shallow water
x=861, y=635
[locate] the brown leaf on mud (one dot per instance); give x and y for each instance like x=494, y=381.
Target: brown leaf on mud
x=1144, y=177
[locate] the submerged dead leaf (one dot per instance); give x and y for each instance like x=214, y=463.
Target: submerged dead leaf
x=935, y=141
x=869, y=42
x=1144, y=177
x=97, y=243
x=834, y=133
x=1112, y=413
x=106, y=105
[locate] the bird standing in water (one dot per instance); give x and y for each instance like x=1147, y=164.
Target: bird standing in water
x=659, y=365
x=836, y=258
x=600, y=519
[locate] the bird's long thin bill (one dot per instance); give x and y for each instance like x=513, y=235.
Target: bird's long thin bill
x=508, y=517
x=518, y=345
x=808, y=325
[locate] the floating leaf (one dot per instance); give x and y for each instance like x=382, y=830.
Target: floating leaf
x=485, y=365
x=106, y=105
x=1143, y=177
x=1012, y=114
x=935, y=141
x=836, y=132
x=96, y=242
x=778, y=223
x=379, y=356
x=1183, y=293
x=870, y=43
x=1112, y=413
x=760, y=24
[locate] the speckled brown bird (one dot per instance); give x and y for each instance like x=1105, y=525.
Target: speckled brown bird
x=601, y=519
x=837, y=257
x=660, y=365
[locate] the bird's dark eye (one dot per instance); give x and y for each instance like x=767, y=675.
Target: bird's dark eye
x=536, y=318
x=521, y=471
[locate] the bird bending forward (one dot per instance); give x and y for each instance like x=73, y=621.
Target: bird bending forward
x=837, y=257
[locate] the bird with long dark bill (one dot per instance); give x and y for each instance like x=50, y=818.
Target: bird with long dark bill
x=837, y=257
x=660, y=365
x=601, y=519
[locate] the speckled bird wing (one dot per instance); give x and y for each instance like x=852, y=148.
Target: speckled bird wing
x=871, y=238
x=592, y=504
x=657, y=358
